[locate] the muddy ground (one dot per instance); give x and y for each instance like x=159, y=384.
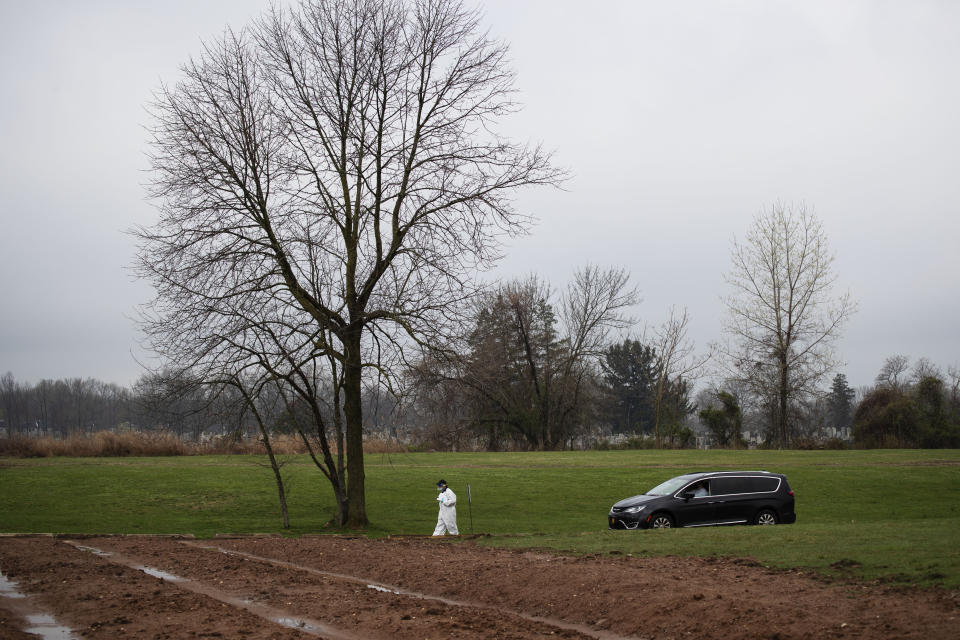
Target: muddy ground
x=343, y=587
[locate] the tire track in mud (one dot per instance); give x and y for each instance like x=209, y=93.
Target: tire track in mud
x=31, y=618
x=336, y=605
x=277, y=616
x=102, y=600
x=387, y=588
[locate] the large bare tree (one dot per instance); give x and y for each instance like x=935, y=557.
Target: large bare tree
x=783, y=317
x=337, y=162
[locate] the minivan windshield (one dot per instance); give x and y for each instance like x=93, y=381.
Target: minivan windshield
x=669, y=487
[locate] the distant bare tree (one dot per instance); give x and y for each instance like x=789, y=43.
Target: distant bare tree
x=595, y=304
x=953, y=373
x=12, y=404
x=892, y=373
x=925, y=368
x=676, y=359
x=62, y=407
x=339, y=161
x=783, y=318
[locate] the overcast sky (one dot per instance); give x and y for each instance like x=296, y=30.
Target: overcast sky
x=678, y=122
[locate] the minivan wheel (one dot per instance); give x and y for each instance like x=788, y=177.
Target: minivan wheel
x=766, y=517
x=661, y=521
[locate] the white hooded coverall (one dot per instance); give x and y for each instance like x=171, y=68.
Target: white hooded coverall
x=447, y=520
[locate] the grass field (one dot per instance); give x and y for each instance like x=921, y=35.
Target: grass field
x=889, y=515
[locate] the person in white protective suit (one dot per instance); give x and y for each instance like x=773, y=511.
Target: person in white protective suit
x=447, y=520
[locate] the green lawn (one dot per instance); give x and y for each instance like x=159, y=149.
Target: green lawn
x=891, y=515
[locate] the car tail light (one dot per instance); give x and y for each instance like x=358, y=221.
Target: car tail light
x=791, y=493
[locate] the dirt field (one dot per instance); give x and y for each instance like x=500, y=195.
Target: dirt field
x=342, y=587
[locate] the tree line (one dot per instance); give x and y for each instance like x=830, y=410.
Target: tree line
x=916, y=406
x=458, y=404
x=62, y=407
x=534, y=369
x=68, y=407
x=908, y=406
x=191, y=409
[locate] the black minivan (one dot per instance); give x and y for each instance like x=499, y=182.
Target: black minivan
x=710, y=498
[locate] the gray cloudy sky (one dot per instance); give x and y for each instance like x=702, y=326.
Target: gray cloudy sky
x=678, y=122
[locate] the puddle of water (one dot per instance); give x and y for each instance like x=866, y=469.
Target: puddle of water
x=150, y=571
x=41, y=619
x=39, y=624
x=8, y=588
x=157, y=573
x=93, y=550
x=301, y=625
x=384, y=589
x=47, y=628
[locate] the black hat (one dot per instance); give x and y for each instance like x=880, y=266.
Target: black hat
x=441, y=483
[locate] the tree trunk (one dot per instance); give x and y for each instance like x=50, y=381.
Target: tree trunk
x=333, y=471
x=782, y=393
x=658, y=400
x=275, y=466
x=353, y=411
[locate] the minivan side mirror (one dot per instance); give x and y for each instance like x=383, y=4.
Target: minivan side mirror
x=686, y=495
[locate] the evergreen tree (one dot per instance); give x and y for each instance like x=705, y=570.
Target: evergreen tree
x=629, y=375
x=840, y=403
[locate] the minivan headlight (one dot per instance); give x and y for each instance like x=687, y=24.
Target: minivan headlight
x=636, y=509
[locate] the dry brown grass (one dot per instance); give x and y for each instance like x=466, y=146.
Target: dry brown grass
x=163, y=443
x=98, y=444
x=383, y=445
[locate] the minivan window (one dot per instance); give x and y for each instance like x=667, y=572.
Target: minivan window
x=726, y=486
x=698, y=489
x=734, y=485
x=670, y=486
x=764, y=484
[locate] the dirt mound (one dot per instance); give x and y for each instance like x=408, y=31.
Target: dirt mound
x=344, y=587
